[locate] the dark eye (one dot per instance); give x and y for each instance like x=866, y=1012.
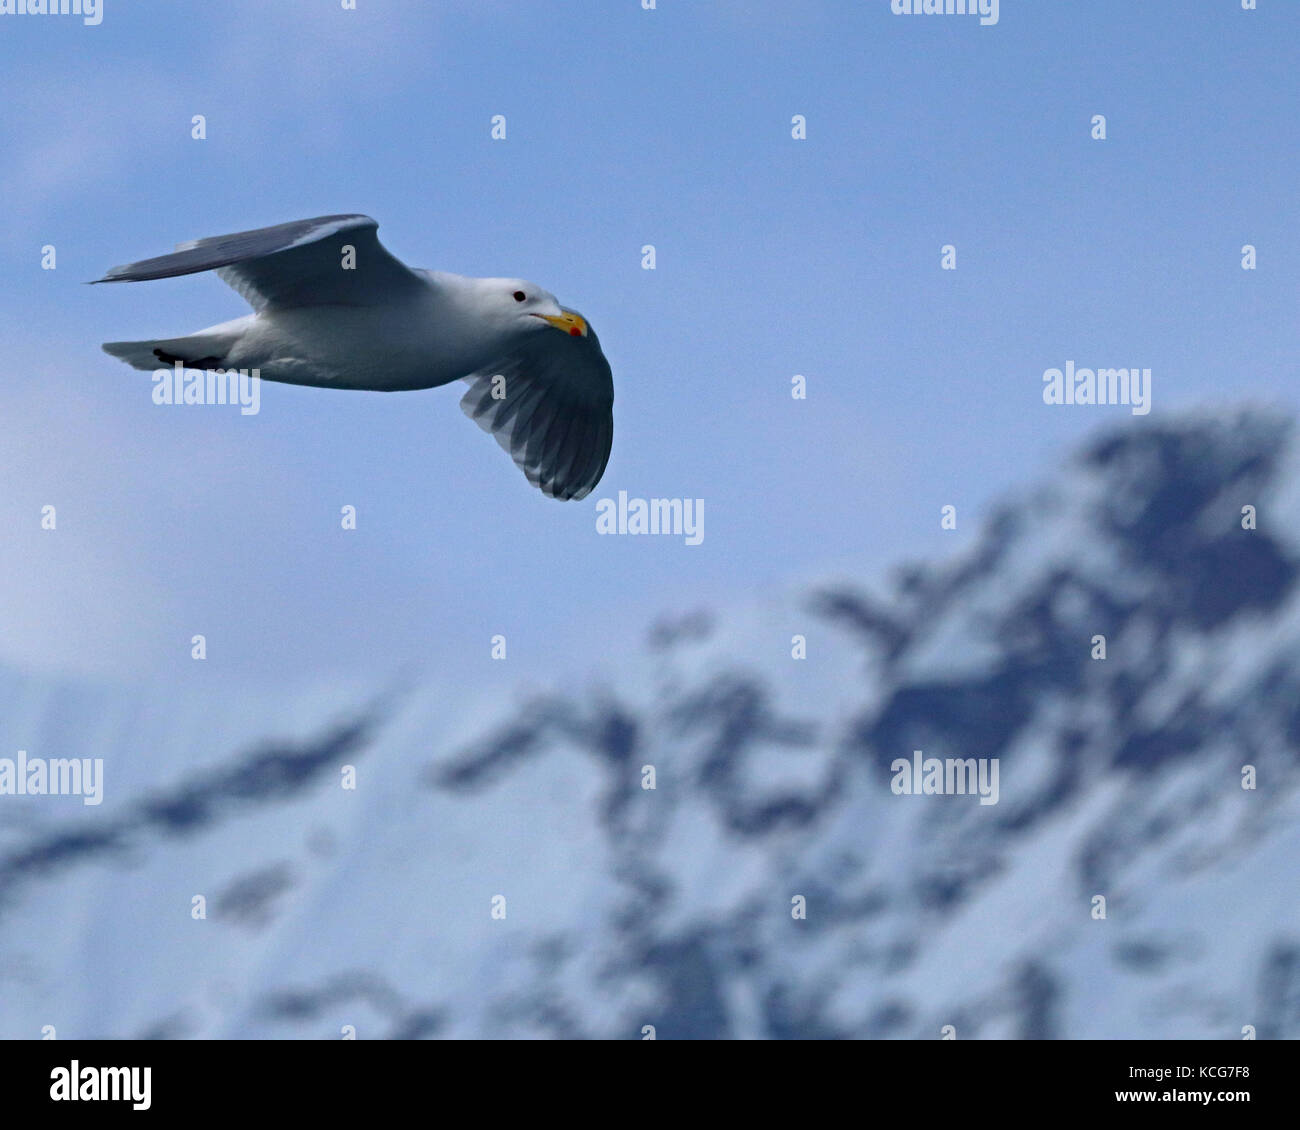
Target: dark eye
x=520, y=296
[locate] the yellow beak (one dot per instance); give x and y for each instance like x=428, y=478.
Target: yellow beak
x=575, y=325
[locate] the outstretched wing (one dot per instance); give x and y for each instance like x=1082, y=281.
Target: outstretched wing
x=302, y=263
x=550, y=405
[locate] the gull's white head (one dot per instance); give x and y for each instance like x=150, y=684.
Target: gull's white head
x=519, y=305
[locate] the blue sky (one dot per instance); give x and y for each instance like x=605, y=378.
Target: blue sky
x=775, y=257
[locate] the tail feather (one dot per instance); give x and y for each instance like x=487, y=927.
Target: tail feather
x=208, y=349
x=150, y=355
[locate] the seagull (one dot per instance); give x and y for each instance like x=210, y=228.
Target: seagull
x=333, y=309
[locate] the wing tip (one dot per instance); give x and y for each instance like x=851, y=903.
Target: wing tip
x=166, y=266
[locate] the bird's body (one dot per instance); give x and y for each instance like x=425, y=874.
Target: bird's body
x=333, y=309
x=423, y=341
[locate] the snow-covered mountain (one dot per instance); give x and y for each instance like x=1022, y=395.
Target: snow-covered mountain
x=625, y=906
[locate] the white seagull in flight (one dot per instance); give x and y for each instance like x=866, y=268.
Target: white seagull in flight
x=361, y=319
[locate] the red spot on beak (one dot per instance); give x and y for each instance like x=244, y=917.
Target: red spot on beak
x=574, y=331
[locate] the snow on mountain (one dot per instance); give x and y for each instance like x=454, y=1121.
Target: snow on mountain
x=672, y=907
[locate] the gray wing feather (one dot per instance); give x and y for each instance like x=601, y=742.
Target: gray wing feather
x=556, y=416
x=294, y=264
